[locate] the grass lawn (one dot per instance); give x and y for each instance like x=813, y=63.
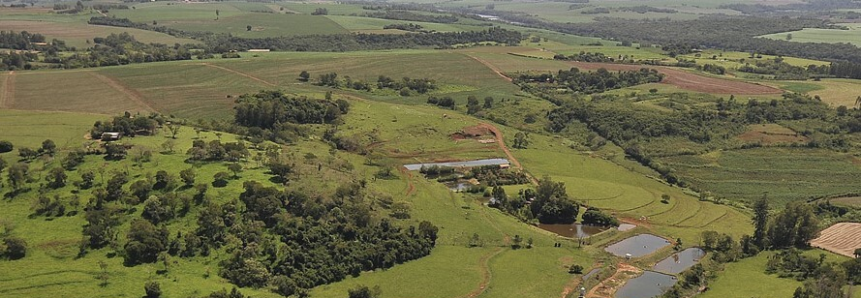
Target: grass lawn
x=851, y=36
x=747, y=277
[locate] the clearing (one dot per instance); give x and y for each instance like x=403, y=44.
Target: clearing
x=768, y=134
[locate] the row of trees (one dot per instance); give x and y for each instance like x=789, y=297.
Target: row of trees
x=588, y=82
x=584, y=56
x=404, y=15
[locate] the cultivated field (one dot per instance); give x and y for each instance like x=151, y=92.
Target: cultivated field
x=768, y=134
x=841, y=238
x=784, y=173
x=851, y=36
x=78, y=34
x=838, y=92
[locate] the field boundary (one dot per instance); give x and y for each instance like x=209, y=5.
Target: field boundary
x=132, y=95
x=236, y=72
x=7, y=98
x=491, y=66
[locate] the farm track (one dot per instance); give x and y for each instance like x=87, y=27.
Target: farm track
x=687, y=80
x=7, y=98
x=132, y=94
x=501, y=142
x=236, y=72
x=486, y=274
x=491, y=66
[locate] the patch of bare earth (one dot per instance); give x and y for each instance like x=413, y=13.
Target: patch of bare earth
x=841, y=238
x=768, y=134
x=608, y=287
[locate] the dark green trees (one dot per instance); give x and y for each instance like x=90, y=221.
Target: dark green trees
x=145, y=242
x=551, y=204
x=760, y=223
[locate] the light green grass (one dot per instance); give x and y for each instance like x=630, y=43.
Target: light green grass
x=745, y=277
x=850, y=36
x=785, y=174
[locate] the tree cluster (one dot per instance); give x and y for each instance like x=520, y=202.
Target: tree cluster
x=596, y=217
x=584, y=56
x=216, y=151
x=270, y=109
x=403, y=15
x=588, y=82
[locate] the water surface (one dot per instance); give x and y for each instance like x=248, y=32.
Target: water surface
x=650, y=284
x=681, y=261
x=637, y=246
x=572, y=230
x=460, y=164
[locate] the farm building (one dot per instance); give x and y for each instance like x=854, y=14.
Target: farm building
x=111, y=136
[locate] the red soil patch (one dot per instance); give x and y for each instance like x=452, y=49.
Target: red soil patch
x=688, y=81
x=608, y=287
x=471, y=132
x=768, y=134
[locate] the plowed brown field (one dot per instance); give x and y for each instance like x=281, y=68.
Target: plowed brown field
x=842, y=238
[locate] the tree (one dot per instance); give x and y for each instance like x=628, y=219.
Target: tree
x=280, y=169
x=56, y=178
x=217, y=14
x=575, y=269
x=284, y=286
x=145, y=243
x=472, y=105
x=6, y=146
x=760, y=222
x=174, y=129
x=220, y=179
x=521, y=140
x=141, y=190
x=87, y=179
x=858, y=253
x=163, y=180
x=248, y=28
x=236, y=168
x=73, y=159
x=16, y=248
x=27, y=154
x=115, y=151
x=187, y=176
x=152, y=289
x=789, y=36
x=18, y=175
x=364, y=292
x=488, y=102
x=304, y=76
x=665, y=198
x=516, y=242
x=475, y=241
x=48, y=147
x=168, y=146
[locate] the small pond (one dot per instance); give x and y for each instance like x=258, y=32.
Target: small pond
x=460, y=164
x=637, y=246
x=625, y=227
x=679, y=262
x=650, y=284
x=572, y=230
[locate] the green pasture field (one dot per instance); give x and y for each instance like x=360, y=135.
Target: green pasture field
x=233, y=18
x=333, y=8
x=837, y=92
x=746, y=277
x=78, y=90
x=602, y=183
x=785, y=174
x=851, y=36
x=73, y=29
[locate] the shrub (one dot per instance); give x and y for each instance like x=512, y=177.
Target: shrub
x=6, y=146
x=153, y=289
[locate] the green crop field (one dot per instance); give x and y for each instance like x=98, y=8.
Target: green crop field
x=77, y=33
x=822, y=35
x=785, y=174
